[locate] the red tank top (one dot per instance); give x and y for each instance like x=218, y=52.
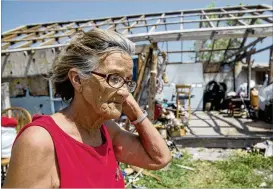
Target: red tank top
x=80, y=165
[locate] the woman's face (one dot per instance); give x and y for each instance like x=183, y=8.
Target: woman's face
x=104, y=99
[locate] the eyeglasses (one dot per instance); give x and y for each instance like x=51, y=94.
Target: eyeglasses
x=116, y=81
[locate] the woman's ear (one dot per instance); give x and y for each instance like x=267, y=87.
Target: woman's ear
x=75, y=79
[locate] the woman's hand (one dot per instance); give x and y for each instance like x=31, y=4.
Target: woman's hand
x=131, y=108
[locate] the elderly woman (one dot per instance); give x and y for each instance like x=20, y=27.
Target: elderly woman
x=80, y=145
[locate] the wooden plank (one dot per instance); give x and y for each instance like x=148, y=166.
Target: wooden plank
x=231, y=40
x=25, y=38
x=231, y=15
x=34, y=28
x=202, y=20
x=231, y=10
x=247, y=33
x=49, y=42
x=141, y=75
x=5, y=96
x=208, y=19
x=213, y=43
x=244, y=48
x=201, y=50
x=205, y=33
x=225, y=29
x=257, y=13
x=66, y=34
x=29, y=36
x=157, y=22
x=52, y=26
x=5, y=46
x=139, y=64
x=88, y=24
x=111, y=27
x=270, y=79
x=12, y=31
x=127, y=29
x=152, y=85
x=26, y=44
x=69, y=26
x=249, y=63
x=123, y=21
x=9, y=37
x=49, y=34
x=181, y=20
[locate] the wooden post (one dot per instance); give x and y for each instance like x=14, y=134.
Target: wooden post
x=234, y=75
x=142, y=65
x=270, y=75
x=5, y=97
x=152, y=84
x=141, y=74
x=248, y=61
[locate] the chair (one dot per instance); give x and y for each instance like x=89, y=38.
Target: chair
x=186, y=91
x=23, y=117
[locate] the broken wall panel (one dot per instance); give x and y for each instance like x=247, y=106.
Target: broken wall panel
x=32, y=86
x=27, y=63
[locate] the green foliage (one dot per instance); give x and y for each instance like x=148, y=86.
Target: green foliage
x=220, y=43
x=240, y=171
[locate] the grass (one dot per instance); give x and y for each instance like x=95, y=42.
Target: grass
x=241, y=170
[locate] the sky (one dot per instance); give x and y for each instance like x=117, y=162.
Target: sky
x=17, y=13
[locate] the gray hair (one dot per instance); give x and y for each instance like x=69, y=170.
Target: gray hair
x=85, y=52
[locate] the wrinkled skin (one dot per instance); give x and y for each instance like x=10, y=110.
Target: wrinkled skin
x=105, y=100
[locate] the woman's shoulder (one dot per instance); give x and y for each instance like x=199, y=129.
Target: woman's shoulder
x=35, y=138
x=32, y=153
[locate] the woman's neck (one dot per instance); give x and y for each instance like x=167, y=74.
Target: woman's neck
x=83, y=116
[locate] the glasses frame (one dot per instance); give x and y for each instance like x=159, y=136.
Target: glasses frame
x=107, y=77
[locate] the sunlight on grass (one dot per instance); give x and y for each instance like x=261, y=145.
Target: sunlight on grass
x=239, y=171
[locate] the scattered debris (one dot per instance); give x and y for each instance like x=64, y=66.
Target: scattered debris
x=134, y=178
x=266, y=146
x=263, y=185
x=128, y=171
x=137, y=169
x=185, y=167
x=177, y=155
x=135, y=186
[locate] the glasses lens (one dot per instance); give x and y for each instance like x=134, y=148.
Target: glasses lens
x=115, y=81
x=131, y=86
